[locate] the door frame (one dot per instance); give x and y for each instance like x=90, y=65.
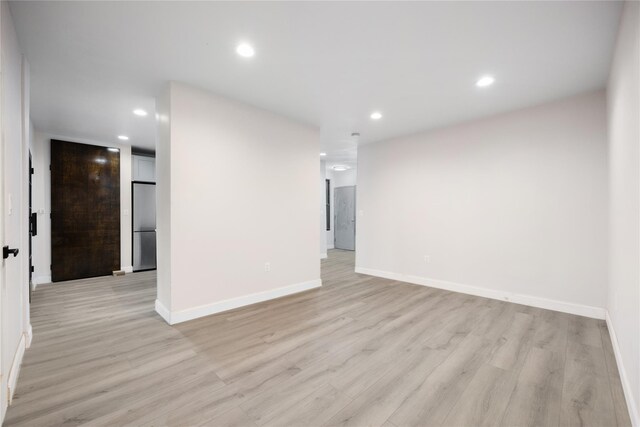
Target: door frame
x=3, y=390
x=30, y=225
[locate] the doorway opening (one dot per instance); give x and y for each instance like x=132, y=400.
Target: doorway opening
x=345, y=218
x=340, y=203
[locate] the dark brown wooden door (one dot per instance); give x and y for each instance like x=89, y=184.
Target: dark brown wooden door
x=85, y=210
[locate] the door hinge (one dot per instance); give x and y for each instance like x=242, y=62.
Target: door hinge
x=32, y=171
x=33, y=269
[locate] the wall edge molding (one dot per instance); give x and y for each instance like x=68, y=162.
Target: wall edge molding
x=163, y=311
x=174, y=317
x=14, y=371
x=634, y=415
x=539, y=302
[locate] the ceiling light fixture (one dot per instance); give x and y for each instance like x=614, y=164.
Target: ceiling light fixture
x=376, y=115
x=485, y=81
x=340, y=168
x=113, y=150
x=139, y=112
x=123, y=137
x=245, y=50
x=323, y=154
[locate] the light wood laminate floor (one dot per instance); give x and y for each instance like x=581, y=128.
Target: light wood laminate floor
x=358, y=351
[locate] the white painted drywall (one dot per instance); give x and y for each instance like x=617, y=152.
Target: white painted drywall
x=514, y=204
x=163, y=201
x=343, y=178
x=624, y=189
x=230, y=210
x=338, y=179
x=41, y=155
x=15, y=321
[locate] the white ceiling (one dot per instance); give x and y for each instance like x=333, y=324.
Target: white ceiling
x=329, y=64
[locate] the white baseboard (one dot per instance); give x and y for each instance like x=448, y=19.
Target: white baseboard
x=163, y=311
x=624, y=378
x=173, y=317
x=12, y=380
x=127, y=269
x=549, y=304
x=29, y=336
x=323, y=256
x=40, y=280
x=330, y=246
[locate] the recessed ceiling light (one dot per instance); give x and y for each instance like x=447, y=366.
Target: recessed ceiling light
x=485, y=81
x=340, y=168
x=123, y=137
x=245, y=50
x=376, y=115
x=139, y=112
x=323, y=154
x=115, y=150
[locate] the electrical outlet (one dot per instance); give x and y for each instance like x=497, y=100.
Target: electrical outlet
x=427, y=259
x=267, y=266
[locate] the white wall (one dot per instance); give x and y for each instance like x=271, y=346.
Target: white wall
x=624, y=188
x=15, y=322
x=343, y=178
x=27, y=138
x=230, y=210
x=510, y=206
x=338, y=179
x=41, y=155
x=163, y=203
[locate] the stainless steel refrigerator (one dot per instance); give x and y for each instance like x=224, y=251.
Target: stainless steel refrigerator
x=144, y=226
